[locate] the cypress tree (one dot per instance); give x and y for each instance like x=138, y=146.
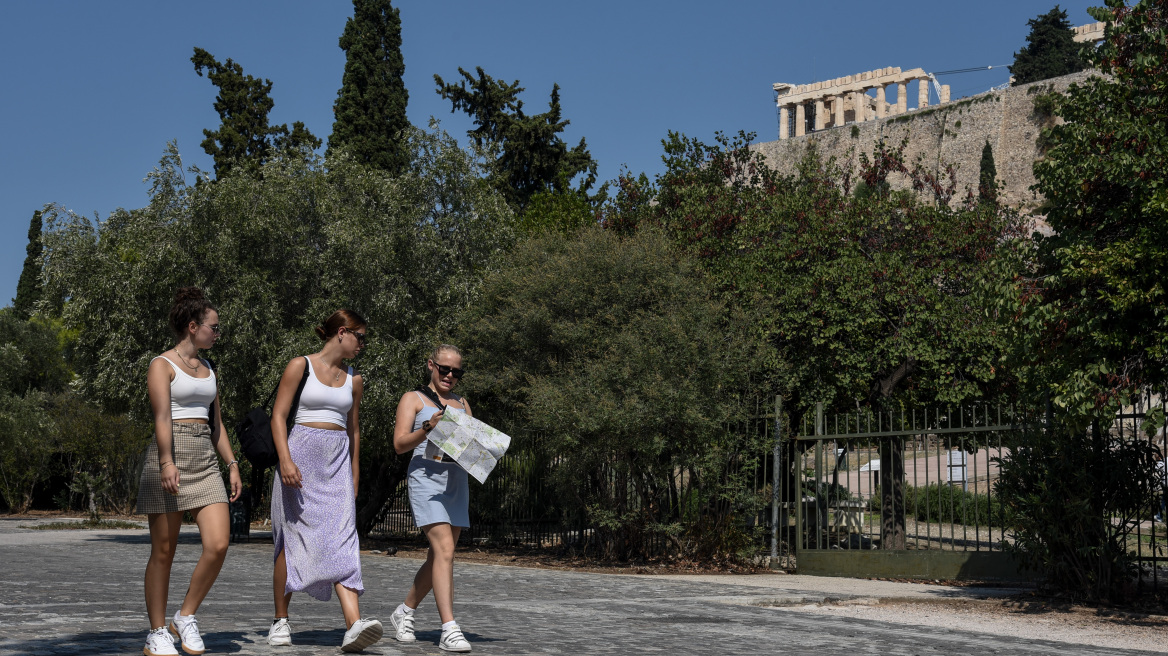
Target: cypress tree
x=245, y=138
x=533, y=157
x=1050, y=49
x=28, y=290
x=370, y=108
x=987, y=186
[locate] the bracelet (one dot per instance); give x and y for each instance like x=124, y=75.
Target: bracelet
x=233, y=462
x=165, y=464
x=426, y=426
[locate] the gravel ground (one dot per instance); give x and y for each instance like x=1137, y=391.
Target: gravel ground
x=73, y=592
x=1076, y=626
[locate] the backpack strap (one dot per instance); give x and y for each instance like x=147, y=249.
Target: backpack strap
x=295, y=398
x=299, y=390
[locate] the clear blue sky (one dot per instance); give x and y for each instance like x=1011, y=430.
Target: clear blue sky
x=92, y=91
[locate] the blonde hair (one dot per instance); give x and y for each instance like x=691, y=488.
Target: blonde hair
x=445, y=347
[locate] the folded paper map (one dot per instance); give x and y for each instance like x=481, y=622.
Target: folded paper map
x=475, y=446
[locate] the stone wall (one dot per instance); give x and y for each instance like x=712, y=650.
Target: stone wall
x=953, y=132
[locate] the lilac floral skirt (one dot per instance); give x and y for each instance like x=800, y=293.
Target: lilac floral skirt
x=316, y=525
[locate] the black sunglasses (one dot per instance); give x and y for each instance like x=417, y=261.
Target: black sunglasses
x=360, y=336
x=454, y=371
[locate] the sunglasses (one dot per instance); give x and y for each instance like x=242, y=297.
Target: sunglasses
x=444, y=370
x=360, y=336
x=214, y=327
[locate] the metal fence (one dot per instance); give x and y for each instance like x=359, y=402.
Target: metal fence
x=905, y=493
x=519, y=504
x=915, y=482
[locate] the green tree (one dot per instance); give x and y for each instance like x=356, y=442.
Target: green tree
x=32, y=355
x=860, y=297
x=987, y=184
x=1050, y=49
x=26, y=448
x=866, y=299
x=1086, y=311
x=245, y=138
x=370, y=108
x=530, y=154
x=28, y=290
x=620, y=361
x=277, y=253
x=565, y=212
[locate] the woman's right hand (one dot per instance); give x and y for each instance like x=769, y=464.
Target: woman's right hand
x=169, y=476
x=289, y=474
x=435, y=418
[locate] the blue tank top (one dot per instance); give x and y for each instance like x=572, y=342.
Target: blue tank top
x=425, y=413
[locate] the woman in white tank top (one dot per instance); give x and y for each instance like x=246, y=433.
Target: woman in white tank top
x=181, y=473
x=314, y=512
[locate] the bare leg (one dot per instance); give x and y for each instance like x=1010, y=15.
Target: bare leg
x=215, y=532
x=437, y=573
x=349, y=605
x=163, y=539
x=279, y=582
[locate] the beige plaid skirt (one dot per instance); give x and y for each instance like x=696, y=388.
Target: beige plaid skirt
x=200, y=482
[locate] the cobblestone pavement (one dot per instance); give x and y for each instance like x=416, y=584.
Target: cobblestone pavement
x=80, y=592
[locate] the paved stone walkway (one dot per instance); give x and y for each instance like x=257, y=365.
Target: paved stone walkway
x=80, y=592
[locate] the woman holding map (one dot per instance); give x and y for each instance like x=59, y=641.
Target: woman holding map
x=314, y=513
x=439, y=495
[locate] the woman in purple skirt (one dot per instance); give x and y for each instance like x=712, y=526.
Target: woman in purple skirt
x=314, y=513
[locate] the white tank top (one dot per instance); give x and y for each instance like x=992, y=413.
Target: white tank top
x=190, y=397
x=324, y=404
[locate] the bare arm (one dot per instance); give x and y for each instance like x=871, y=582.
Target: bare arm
x=293, y=373
x=158, y=379
x=405, y=438
x=354, y=430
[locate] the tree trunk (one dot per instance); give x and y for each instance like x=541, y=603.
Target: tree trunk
x=892, y=531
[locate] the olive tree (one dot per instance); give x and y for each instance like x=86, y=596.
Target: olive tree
x=277, y=254
x=612, y=356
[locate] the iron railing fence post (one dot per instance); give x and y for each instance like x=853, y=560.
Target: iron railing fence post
x=776, y=480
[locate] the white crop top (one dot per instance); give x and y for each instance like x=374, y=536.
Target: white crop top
x=324, y=404
x=190, y=397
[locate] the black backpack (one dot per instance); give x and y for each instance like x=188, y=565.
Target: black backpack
x=254, y=431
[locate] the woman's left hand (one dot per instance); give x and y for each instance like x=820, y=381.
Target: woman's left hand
x=236, y=483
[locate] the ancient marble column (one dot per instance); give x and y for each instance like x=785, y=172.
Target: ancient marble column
x=820, y=114
x=858, y=106
x=837, y=103
x=800, y=120
x=901, y=98
x=880, y=112
x=783, y=122
x=923, y=93
x=944, y=93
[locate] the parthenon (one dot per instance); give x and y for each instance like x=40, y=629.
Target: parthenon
x=833, y=103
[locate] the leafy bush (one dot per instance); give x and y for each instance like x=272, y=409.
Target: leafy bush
x=614, y=352
x=945, y=503
x=1075, y=496
x=26, y=448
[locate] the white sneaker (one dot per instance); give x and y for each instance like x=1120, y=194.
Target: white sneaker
x=187, y=630
x=453, y=640
x=280, y=634
x=159, y=643
x=403, y=626
x=362, y=634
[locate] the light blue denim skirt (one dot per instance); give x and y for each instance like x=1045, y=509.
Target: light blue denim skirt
x=439, y=493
